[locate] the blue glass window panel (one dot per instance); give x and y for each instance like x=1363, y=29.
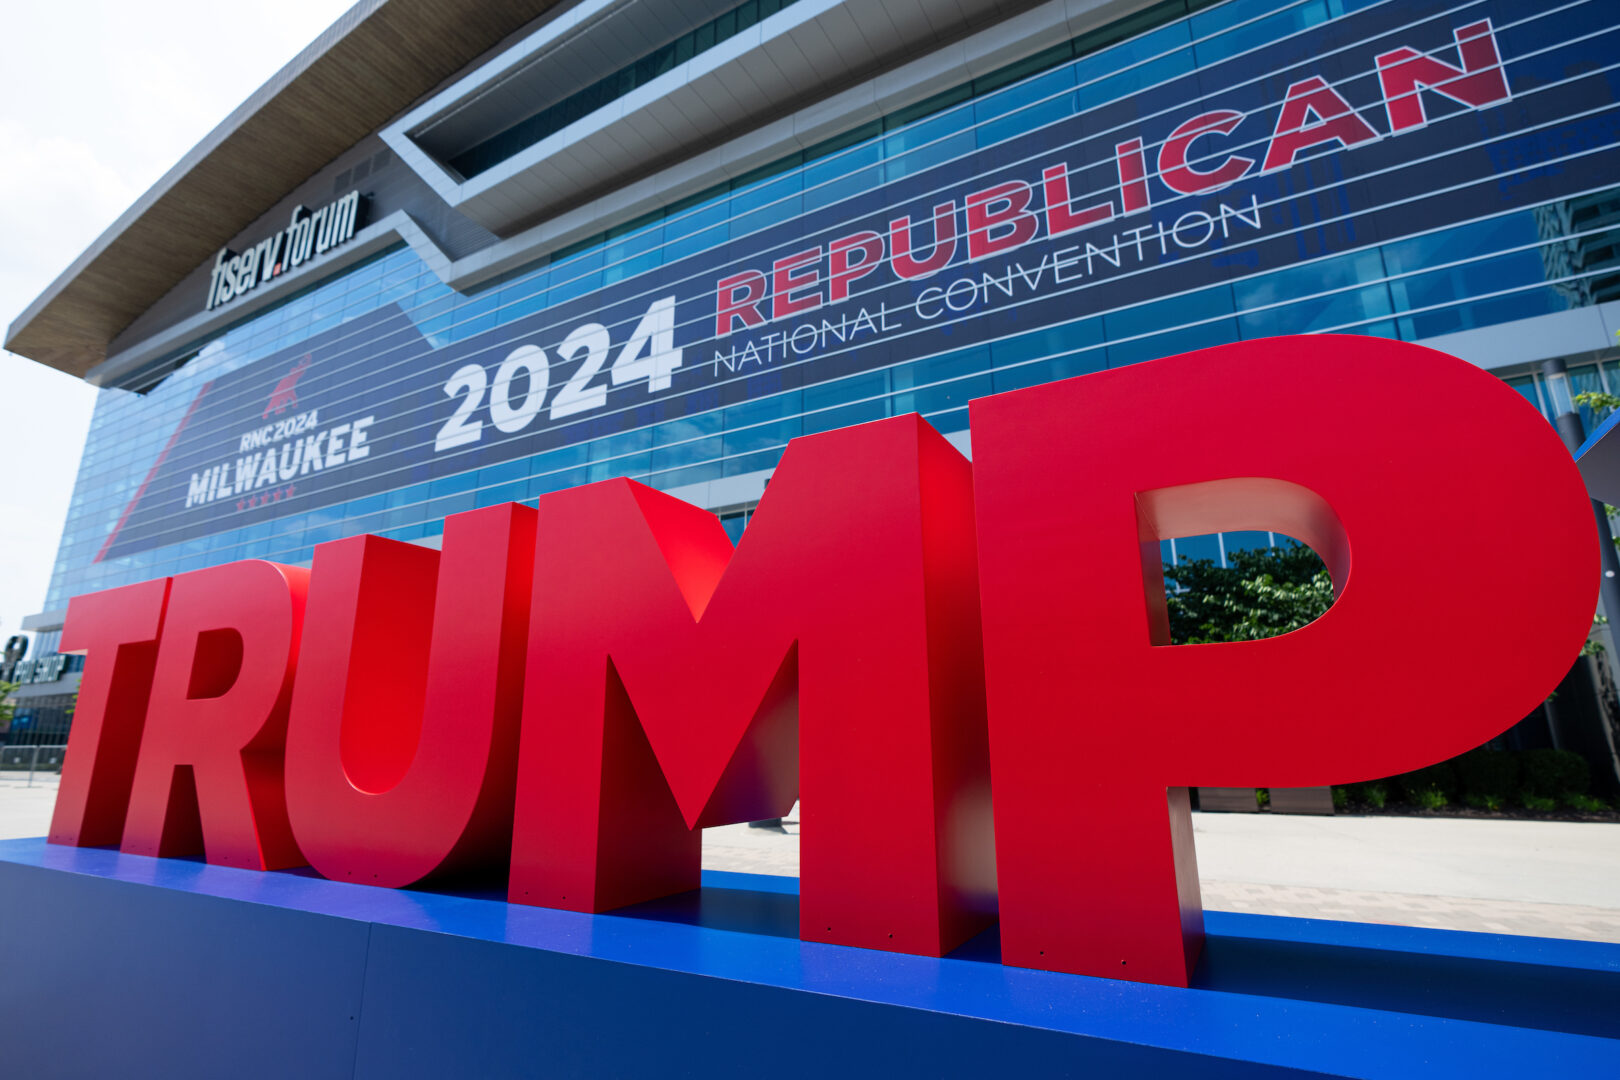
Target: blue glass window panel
x=843, y=402
x=506, y=470
x=475, y=315
x=434, y=316
x=755, y=461
x=407, y=496
x=451, y=484
x=364, y=277
x=560, y=458
x=1041, y=356
x=616, y=446
x=766, y=202
x=942, y=382
x=1336, y=312
x=1256, y=33
x=634, y=465
x=1172, y=312
x=357, y=508
x=514, y=491
x=576, y=276
x=1523, y=304
x=320, y=534
x=404, y=515
x=773, y=407
x=1468, y=280
x=1144, y=47
x=925, y=143
x=220, y=541
x=523, y=296
x=324, y=515
x=558, y=480
x=843, y=175
x=762, y=426
x=943, y=368
x=1246, y=541
x=696, y=229
x=400, y=272
x=1384, y=328
x=769, y=436
x=1526, y=386
x=1222, y=332
x=687, y=451
x=367, y=523
x=686, y=429
x=631, y=255
x=949, y=420
x=1198, y=547
x=620, y=455
x=1093, y=91
x=1459, y=243
x=1022, y=108
x=713, y=468
x=1324, y=275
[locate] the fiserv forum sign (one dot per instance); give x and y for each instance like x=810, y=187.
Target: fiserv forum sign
x=1393, y=120
x=306, y=236
x=569, y=693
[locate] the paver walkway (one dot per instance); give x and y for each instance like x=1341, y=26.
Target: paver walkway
x=1544, y=879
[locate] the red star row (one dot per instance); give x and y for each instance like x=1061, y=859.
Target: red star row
x=275, y=495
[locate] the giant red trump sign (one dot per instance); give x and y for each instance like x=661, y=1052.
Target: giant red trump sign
x=944, y=658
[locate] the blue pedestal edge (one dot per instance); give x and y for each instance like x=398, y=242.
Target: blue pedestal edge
x=121, y=965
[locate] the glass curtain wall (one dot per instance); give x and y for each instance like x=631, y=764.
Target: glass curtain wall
x=1496, y=269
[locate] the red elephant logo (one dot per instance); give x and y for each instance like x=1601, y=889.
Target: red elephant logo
x=285, y=395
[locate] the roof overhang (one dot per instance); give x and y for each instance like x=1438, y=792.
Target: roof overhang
x=376, y=60
x=803, y=51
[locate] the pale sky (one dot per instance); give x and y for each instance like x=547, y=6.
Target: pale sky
x=97, y=99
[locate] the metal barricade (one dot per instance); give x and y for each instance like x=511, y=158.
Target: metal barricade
x=34, y=759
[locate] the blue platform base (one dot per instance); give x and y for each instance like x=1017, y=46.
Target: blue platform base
x=117, y=965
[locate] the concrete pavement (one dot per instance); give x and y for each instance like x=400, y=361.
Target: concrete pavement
x=26, y=810
x=1543, y=878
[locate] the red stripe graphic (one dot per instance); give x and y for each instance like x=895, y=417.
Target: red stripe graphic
x=156, y=465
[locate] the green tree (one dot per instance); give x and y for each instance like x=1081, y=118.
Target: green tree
x=1597, y=401
x=7, y=707
x=1259, y=594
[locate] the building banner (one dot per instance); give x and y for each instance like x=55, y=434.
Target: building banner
x=1158, y=181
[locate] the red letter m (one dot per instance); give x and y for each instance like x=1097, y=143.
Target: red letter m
x=673, y=685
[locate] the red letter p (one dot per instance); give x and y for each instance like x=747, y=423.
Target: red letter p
x=1438, y=499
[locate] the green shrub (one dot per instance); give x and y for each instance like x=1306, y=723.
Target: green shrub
x=1439, y=778
x=1262, y=796
x=1431, y=798
x=1585, y=803
x=1484, y=802
x=1374, y=794
x=1341, y=798
x=1489, y=774
x=1555, y=773
x=1538, y=802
